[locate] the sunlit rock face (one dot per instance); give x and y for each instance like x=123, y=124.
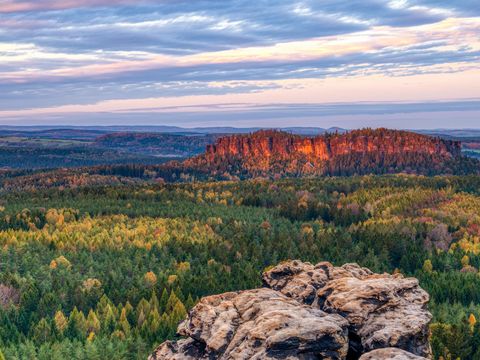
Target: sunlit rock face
x=307, y=311
x=269, y=152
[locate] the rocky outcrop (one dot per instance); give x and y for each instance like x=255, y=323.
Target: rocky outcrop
x=267, y=143
x=276, y=152
x=382, y=310
x=258, y=324
x=390, y=354
x=309, y=311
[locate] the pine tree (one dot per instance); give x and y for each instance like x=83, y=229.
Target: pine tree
x=458, y=343
x=76, y=325
x=476, y=341
x=151, y=326
x=154, y=303
x=178, y=313
x=143, y=306
x=42, y=332
x=123, y=323
x=163, y=301
x=190, y=303
x=109, y=322
x=141, y=319
x=130, y=313
x=172, y=301
x=104, y=307
x=93, y=324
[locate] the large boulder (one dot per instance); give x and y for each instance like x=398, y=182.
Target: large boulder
x=390, y=354
x=258, y=324
x=309, y=311
x=383, y=310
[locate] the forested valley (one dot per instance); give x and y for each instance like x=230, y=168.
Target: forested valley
x=99, y=269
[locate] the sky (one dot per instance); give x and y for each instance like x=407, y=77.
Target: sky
x=411, y=64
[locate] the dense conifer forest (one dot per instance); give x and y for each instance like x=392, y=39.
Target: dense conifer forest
x=96, y=270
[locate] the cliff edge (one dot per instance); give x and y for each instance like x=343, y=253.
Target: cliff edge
x=277, y=153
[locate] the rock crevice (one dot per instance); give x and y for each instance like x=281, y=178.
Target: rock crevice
x=307, y=311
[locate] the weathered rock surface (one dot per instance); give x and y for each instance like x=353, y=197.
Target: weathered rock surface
x=258, y=324
x=309, y=311
x=186, y=349
x=383, y=310
x=390, y=354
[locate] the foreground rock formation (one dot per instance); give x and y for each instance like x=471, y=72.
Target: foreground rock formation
x=309, y=311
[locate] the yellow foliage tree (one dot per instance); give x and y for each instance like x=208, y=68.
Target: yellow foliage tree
x=427, y=266
x=60, y=261
x=123, y=323
x=91, y=336
x=61, y=321
x=472, y=320
x=183, y=266
x=171, y=279
x=150, y=279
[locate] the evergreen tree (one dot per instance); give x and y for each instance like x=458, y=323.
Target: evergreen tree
x=42, y=332
x=92, y=324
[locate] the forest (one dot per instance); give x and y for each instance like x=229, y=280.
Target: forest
x=61, y=148
x=106, y=269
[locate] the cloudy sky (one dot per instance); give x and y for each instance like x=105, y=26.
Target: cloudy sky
x=399, y=63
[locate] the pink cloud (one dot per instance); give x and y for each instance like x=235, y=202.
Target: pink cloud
x=17, y=24
x=10, y=6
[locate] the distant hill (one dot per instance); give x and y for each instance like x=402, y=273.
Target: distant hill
x=60, y=131
x=277, y=153
x=92, y=131
x=157, y=144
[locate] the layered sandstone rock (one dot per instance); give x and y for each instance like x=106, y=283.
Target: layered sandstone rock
x=278, y=152
x=268, y=144
x=382, y=310
x=309, y=311
x=258, y=324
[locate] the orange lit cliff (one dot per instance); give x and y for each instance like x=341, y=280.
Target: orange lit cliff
x=270, y=152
